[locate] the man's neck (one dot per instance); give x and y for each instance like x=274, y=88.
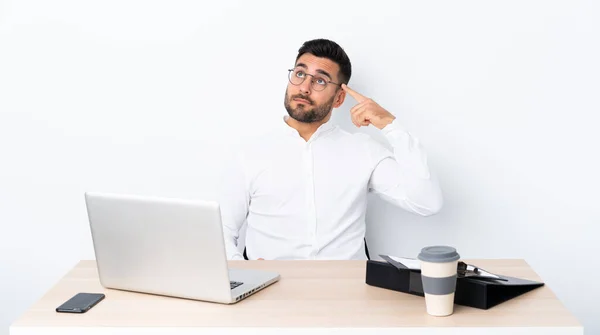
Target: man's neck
x=306, y=130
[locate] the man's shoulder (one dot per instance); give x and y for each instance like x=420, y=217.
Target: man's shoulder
x=364, y=144
x=356, y=138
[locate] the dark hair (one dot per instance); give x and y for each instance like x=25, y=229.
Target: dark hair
x=328, y=49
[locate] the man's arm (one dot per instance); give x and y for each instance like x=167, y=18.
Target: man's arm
x=402, y=178
x=234, y=201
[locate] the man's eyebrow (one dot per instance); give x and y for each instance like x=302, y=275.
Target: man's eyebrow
x=318, y=71
x=324, y=73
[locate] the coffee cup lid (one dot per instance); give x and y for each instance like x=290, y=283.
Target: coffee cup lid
x=438, y=254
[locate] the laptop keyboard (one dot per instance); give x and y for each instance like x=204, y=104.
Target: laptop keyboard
x=234, y=284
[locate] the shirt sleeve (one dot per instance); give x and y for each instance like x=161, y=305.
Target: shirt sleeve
x=403, y=177
x=234, y=201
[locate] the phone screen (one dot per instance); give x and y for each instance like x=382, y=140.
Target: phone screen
x=80, y=303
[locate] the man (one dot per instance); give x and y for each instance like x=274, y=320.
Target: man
x=303, y=188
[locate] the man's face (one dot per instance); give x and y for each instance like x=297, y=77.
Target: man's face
x=305, y=104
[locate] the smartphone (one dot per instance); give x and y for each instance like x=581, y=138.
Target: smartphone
x=80, y=303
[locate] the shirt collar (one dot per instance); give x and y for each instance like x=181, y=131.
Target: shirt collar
x=323, y=129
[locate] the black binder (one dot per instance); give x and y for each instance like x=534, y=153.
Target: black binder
x=472, y=292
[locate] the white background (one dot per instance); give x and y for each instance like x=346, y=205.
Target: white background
x=146, y=96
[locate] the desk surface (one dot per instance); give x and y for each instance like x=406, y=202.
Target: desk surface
x=321, y=296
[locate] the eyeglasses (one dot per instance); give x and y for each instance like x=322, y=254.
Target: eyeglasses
x=318, y=83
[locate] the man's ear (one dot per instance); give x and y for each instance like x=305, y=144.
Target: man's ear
x=339, y=98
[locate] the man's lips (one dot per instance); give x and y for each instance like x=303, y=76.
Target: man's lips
x=302, y=101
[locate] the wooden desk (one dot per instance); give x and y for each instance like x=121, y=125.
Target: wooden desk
x=320, y=297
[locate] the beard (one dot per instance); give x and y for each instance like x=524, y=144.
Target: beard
x=303, y=113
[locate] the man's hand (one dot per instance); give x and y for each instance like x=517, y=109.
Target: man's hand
x=367, y=111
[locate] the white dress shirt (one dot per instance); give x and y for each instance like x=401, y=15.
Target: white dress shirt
x=308, y=199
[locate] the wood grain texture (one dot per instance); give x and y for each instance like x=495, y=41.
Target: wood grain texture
x=309, y=294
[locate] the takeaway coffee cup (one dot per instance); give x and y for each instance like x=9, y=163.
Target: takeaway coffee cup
x=438, y=272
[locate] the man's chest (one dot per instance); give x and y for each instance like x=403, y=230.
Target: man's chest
x=305, y=173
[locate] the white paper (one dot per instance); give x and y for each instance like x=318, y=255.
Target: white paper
x=411, y=263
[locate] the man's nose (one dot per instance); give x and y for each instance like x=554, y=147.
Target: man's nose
x=305, y=86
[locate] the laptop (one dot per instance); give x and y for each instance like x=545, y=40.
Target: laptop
x=165, y=246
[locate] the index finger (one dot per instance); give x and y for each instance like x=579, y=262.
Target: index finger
x=357, y=96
